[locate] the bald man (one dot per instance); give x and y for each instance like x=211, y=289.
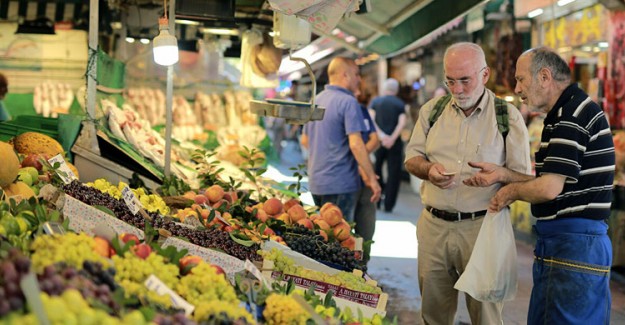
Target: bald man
x=439, y=152
x=335, y=145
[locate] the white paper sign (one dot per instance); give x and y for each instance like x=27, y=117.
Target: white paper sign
x=155, y=284
x=66, y=174
x=131, y=200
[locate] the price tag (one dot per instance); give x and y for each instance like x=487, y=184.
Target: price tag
x=131, y=200
x=256, y=272
x=63, y=171
x=155, y=284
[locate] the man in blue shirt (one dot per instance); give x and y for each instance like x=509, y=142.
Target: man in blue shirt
x=336, y=148
x=570, y=195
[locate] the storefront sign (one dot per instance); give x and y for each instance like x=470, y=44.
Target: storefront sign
x=579, y=28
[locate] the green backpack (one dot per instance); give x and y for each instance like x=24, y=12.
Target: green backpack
x=501, y=108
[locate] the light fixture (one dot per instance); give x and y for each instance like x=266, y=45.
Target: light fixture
x=130, y=40
x=603, y=44
x=165, y=45
x=535, y=13
x=144, y=41
x=187, y=22
x=563, y=3
x=509, y=98
x=219, y=31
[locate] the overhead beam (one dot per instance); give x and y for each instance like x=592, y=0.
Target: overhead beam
x=396, y=20
x=369, y=24
x=342, y=42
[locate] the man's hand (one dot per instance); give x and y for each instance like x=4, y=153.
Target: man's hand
x=375, y=188
x=488, y=175
x=503, y=198
x=436, y=177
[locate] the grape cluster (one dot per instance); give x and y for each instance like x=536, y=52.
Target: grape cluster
x=93, y=196
x=93, y=282
x=11, y=271
x=311, y=244
x=53, y=249
x=281, y=309
x=211, y=238
x=175, y=319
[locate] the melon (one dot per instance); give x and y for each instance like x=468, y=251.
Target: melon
x=19, y=191
x=9, y=165
x=37, y=143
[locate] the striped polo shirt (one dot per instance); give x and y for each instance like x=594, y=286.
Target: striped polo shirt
x=577, y=143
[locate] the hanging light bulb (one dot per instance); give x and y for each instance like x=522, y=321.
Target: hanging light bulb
x=165, y=45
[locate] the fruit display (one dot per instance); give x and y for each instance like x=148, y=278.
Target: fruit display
x=10, y=164
x=283, y=309
x=150, y=202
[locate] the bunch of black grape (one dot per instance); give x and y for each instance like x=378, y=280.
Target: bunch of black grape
x=175, y=319
x=311, y=244
x=94, y=282
x=11, y=271
x=210, y=238
x=93, y=196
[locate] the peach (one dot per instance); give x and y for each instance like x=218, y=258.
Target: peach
x=231, y=196
x=325, y=206
x=324, y=235
x=306, y=223
x=268, y=232
x=324, y=226
x=272, y=206
x=126, y=237
x=204, y=213
x=102, y=247
x=288, y=204
x=214, y=193
x=342, y=230
x=190, y=195
x=297, y=212
x=218, y=269
x=314, y=217
x=188, y=262
x=349, y=243
x=217, y=204
x=332, y=216
x=200, y=199
x=262, y=215
x=284, y=217
x=142, y=250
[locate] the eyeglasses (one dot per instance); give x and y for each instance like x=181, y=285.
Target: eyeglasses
x=462, y=81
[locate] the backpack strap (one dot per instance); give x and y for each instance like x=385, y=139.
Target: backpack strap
x=438, y=109
x=503, y=123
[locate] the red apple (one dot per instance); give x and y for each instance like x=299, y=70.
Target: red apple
x=218, y=269
x=188, y=262
x=32, y=160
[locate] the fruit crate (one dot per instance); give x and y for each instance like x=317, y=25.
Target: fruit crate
x=11, y=129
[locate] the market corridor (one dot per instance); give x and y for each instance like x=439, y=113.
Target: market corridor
x=394, y=265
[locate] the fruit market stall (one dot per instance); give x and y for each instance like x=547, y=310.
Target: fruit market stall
x=209, y=257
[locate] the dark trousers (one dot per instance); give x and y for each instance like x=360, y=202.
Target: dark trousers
x=390, y=186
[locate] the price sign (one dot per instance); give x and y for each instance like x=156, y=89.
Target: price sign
x=155, y=284
x=256, y=272
x=131, y=200
x=63, y=171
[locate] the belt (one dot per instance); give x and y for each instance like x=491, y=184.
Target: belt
x=455, y=216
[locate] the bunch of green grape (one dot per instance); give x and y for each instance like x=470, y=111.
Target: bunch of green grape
x=203, y=284
x=71, y=308
x=343, y=279
x=150, y=202
x=281, y=309
x=132, y=272
x=72, y=249
x=347, y=316
x=215, y=308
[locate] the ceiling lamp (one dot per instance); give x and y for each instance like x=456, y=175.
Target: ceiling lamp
x=165, y=45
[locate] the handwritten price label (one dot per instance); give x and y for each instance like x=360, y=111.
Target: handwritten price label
x=131, y=200
x=63, y=171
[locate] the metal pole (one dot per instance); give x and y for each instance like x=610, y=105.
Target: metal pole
x=169, y=93
x=92, y=66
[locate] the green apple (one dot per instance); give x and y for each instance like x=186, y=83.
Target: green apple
x=34, y=173
x=24, y=176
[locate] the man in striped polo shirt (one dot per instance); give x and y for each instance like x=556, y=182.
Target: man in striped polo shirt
x=570, y=195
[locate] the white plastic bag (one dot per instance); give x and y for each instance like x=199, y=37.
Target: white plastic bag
x=491, y=274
